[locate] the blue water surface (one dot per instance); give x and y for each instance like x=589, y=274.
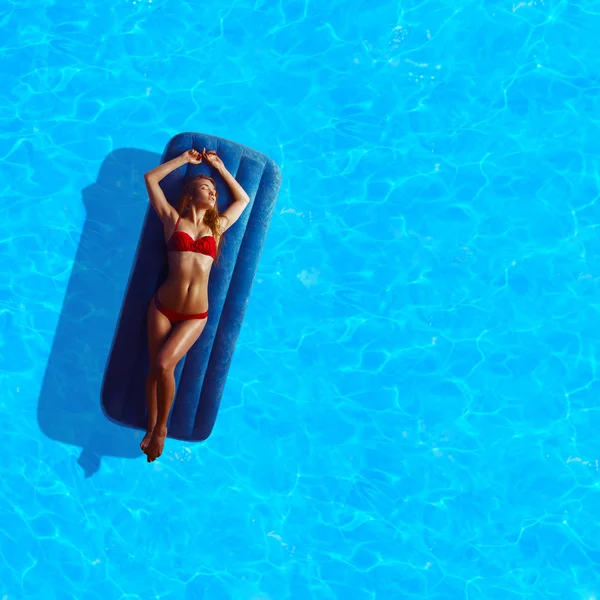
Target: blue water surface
x=411, y=409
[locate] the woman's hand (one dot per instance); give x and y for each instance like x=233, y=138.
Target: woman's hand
x=193, y=156
x=213, y=160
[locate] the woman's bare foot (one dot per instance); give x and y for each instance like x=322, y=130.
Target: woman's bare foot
x=156, y=444
x=146, y=440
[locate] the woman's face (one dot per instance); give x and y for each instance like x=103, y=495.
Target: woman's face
x=204, y=193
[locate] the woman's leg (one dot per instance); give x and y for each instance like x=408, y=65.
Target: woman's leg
x=182, y=338
x=158, y=331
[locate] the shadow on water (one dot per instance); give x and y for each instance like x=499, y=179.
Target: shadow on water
x=69, y=409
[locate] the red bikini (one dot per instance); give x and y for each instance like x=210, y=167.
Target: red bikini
x=180, y=241
x=176, y=317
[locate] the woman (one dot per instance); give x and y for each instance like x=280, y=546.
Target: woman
x=178, y=312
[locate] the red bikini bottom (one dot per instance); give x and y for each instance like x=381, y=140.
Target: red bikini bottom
x=176, y=317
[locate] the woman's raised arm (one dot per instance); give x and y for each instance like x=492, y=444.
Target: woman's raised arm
x=240, y=198
x=160, y=204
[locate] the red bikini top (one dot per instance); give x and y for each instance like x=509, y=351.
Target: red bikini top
x=181, y=241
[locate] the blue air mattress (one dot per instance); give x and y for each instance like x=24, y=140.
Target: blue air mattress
x=202, y=373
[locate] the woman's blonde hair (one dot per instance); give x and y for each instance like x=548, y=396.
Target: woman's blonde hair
x=211, y=217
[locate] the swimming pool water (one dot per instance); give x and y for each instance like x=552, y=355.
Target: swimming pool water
x=411, y=408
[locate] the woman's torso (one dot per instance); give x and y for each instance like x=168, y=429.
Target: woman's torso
x=190, y=259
